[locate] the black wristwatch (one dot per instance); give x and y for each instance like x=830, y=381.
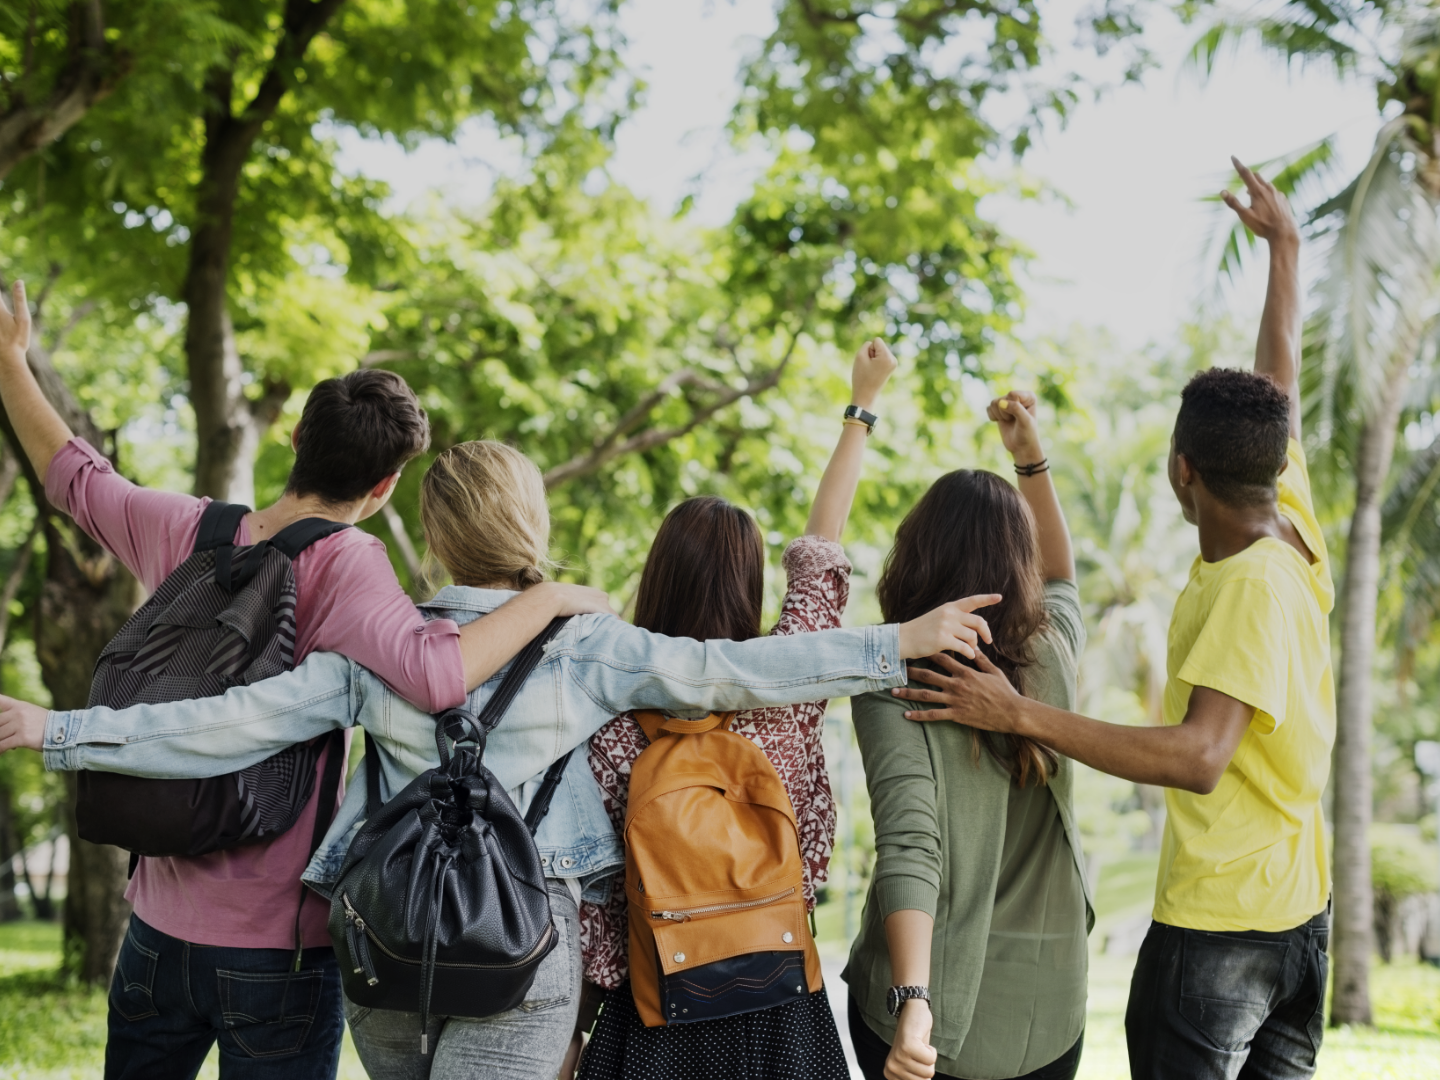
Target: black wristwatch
x=898, y=995
x=869, y=419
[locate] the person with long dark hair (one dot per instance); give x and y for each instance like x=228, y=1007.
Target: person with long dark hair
x=971, y=959
x=704, y=578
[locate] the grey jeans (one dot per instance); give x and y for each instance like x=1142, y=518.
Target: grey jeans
x=526, y=1043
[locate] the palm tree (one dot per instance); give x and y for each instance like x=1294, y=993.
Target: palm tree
x=1369, y=360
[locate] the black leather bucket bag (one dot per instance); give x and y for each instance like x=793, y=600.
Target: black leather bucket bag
x=441, y=903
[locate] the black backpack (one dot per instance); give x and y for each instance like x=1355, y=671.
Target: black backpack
x=442, y=896
x=225, y=617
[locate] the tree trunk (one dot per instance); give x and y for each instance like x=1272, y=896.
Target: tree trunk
x=83, y=603
x=86, y=597
x=9, y=906
x=228, y=423
x=1354, y=900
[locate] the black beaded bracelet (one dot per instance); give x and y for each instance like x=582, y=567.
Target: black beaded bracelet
x=1043, y=465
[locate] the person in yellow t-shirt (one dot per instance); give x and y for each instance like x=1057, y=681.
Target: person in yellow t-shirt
x=1230, y=979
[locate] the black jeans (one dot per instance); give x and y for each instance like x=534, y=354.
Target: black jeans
x=1247, y=1005
x=171, y=1000
x=871, y=1051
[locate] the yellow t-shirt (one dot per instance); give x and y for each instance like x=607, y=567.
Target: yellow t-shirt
x=1251, y=854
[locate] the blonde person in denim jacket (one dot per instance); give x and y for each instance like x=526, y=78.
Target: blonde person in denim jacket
x=485, y=517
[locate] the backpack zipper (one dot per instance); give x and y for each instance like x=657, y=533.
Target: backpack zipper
x=358, y=941
x=367, y=936
x=687, y=914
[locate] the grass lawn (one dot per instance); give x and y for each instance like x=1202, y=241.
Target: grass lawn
x=53, y=1031
x=1405, y=1042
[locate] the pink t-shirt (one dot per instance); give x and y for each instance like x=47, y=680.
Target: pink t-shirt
x=349, y=601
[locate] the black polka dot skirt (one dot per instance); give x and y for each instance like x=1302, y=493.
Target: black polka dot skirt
x=796, y=1041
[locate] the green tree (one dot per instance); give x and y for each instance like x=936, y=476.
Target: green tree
x=1369, y=365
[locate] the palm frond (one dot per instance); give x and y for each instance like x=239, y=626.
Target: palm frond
x=1379, y=291
x=1411, y=529
x=1300, y=31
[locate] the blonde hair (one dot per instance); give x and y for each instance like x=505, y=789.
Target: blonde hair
x=483, y=507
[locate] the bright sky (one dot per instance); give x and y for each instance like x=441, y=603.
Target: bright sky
x=1121, y=249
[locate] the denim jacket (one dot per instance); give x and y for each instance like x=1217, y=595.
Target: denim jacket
x=596, y=668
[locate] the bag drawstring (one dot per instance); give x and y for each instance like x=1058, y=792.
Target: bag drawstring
x=428, y=944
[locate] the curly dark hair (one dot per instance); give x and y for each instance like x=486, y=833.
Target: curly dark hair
x=1233, y=428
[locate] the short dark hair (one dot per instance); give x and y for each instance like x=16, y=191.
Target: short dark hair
x=705, y=575
x=1234, y=428
x=355, y=431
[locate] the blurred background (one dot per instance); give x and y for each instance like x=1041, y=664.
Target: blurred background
x=640, y=240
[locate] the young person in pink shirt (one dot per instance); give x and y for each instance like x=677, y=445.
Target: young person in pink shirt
x=220, y=929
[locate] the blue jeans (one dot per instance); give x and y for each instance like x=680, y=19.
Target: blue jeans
x=171, y=1000
x=1245, y=1005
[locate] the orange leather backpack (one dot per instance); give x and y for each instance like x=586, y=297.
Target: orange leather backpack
x=714, y=877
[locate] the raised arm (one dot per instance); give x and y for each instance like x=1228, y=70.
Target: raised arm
x=831, y=509
x=41, y=430
x=1277, y=351
x=1015, y=415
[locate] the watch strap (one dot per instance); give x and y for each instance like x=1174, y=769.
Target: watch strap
x=855, y=412
x=898, y=995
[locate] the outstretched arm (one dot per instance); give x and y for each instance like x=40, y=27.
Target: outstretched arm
x=41, y=430
x=1015, y=414
x=1191, y=755
x=1277, y=352
x=831, y=509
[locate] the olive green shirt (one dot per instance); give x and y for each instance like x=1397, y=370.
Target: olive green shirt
x=997, y=866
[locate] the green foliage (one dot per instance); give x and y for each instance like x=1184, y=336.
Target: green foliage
x=109, y=210
x=1401, y=864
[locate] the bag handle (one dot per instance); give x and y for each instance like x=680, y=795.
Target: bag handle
x=218, y=522
x=653, y=723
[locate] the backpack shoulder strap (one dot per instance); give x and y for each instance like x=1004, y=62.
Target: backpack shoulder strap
x=218, y=522
x=520, y=668
x=540, y=805
x=299, y=535
x=373, y=801
x=329, y=788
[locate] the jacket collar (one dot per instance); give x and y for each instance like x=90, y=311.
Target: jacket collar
x=466, y=598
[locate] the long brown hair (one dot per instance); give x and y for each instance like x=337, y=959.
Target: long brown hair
x=705, y=575
x=972, y=533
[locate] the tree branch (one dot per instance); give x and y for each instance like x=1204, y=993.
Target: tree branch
x=419, y=580
x=92, y=70
x=303, y=20
x=610, y=446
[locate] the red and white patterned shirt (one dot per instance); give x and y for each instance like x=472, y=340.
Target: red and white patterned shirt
x=817, y=589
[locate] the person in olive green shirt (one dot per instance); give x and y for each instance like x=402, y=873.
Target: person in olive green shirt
x=978, y=898
x=1230, y=980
